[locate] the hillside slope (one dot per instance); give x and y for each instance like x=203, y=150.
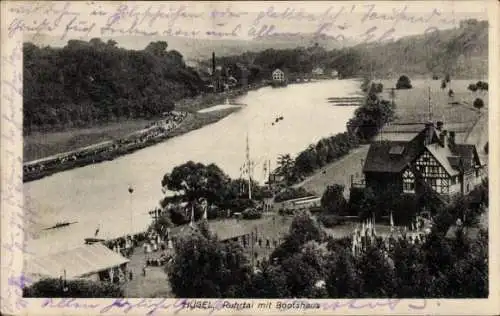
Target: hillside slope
x=85, y=83
x=461, y=52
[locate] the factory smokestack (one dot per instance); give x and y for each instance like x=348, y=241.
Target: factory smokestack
x=213, y=63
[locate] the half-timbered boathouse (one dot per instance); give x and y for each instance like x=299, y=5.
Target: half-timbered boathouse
x=432, y=158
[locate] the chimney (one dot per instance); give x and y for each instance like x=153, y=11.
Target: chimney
x=442, y=139
x=429, y=130
x=213, y=62
x=439, y=125
x=451, y=138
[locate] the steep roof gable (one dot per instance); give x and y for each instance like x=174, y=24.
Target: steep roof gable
x=394, y=156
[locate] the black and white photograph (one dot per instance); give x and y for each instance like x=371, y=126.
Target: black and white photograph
x=256, y=150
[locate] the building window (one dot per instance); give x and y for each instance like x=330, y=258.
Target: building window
x=433, y=183
x=408, y=186
x=408, y=182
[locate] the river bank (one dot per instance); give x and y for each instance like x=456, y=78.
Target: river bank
x=114, y=136
x=98, y=195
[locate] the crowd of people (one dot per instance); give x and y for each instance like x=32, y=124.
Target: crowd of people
x=105, y=150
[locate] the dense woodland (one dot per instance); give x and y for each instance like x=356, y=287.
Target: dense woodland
x=86, y=83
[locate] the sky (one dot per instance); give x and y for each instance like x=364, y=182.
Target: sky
x=245, y=20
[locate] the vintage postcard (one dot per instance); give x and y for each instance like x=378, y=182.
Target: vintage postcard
x=249, y=157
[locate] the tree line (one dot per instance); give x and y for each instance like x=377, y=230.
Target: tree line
x=368, y=120
x=459, y=52
x=87, y=83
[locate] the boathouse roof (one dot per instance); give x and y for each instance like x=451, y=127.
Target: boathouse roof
x=77, y=262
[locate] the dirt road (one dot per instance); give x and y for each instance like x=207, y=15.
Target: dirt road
x=338, y=172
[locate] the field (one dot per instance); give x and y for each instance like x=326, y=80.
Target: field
x=39, y=145
x=412, y=105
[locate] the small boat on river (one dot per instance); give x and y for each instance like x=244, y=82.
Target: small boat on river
x=60, y=224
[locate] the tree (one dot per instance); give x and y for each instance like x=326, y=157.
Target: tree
x=481, y=85
x=302, y=230
x=157, y=48
x=205, y=267
x=163, y=222
x=286, y=167
x=73, y=288
x=478, y=103
x=443, y=84
x=403, y=83
x=343, y=278
x=472, y=87
x=333, y=199
x=271, y=282
x=197, y=180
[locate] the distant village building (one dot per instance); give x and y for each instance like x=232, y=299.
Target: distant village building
x=432, y=159
x=278, y=75
x=279, y=78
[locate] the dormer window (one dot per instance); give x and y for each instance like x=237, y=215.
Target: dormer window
x=396, y=150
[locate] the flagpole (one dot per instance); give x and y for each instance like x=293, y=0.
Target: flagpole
x=249, y=167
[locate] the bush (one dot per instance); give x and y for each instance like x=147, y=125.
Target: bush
x=447, y=78
x=333, y=199
x=435, y=77
x=403, y=83
x=239, y=205
x=377, y=88
x=481, y=85
x=443, y=84
x=451, y=93
x=478, y=103
x=252, y=213
x=472, y=87
x=330, y=221
x=74, y=288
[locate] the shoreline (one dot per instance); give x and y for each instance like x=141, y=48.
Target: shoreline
x=117, y=147
x=193, y=120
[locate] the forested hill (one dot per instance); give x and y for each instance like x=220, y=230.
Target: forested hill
x=85, y=83
x=460, y=52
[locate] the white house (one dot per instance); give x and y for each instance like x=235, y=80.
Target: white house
x=278, y=75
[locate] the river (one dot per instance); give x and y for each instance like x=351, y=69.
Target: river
x=97, y=195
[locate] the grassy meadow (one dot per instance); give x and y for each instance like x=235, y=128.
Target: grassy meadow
x=412, y=104
x=39, y=145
